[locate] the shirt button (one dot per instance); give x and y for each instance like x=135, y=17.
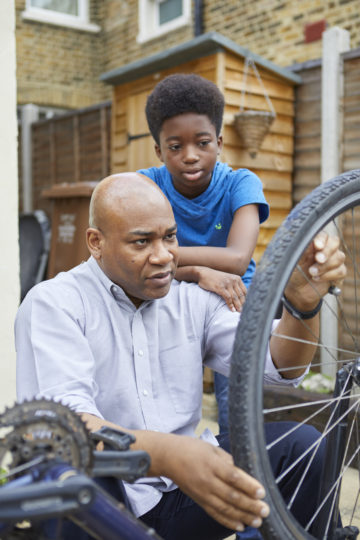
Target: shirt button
x=140, y=352
x=145, y=392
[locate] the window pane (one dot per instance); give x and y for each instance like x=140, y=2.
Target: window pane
x=70, y=7
x=169, y=10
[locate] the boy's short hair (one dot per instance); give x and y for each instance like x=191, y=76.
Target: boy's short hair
x=182, y=93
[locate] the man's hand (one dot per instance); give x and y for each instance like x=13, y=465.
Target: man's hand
x=208, y=475
x=321, y=266
x=229, y=286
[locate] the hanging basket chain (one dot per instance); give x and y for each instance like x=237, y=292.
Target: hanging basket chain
x=250, y=62
x=253, y=125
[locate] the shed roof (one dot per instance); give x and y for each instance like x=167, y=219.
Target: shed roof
x=200, y=46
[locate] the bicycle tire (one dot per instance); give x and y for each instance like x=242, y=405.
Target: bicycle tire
x=320, y=207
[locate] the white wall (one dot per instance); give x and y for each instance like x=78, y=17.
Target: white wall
x=9, y=258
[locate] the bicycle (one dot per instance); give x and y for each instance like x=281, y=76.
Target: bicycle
x=334, y=204
x=49, y=462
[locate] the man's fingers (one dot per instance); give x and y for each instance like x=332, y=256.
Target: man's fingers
x=320, y=240
x=227, y=493
x=333, y=268
x=238, y=481
x=235, y=510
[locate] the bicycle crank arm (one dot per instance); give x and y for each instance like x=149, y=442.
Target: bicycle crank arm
x=45, y=499
x=127, y=465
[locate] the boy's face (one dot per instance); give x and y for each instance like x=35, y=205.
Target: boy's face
x=189, y=148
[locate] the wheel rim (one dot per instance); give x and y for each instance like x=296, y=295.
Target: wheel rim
x=269, y=284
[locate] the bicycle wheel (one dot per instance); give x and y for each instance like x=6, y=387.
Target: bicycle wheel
x=334, y=204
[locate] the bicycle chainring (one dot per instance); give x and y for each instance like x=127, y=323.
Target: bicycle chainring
x=43, y=428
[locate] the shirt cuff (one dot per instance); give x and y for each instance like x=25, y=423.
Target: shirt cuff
x=272, y=375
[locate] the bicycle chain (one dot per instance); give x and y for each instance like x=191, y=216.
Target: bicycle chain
x=43, y=428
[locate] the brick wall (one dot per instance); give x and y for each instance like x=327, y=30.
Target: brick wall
x=275, y=29
x=61, y=67
x=58, y=66
x=121, y=29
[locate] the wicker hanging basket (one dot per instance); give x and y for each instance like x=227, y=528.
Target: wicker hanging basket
x=252, y=125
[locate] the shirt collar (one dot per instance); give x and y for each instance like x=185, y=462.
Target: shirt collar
x=115, y=290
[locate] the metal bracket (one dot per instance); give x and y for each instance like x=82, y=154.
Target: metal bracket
x=134, y=137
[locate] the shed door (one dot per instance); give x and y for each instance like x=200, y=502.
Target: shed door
x=140, y=148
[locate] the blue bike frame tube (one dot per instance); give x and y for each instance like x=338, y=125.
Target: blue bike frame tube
x=18, y=482
x=109, y=520
x=105, y=518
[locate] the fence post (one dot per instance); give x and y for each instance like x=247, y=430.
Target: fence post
x=335, y=42
x=29, y=114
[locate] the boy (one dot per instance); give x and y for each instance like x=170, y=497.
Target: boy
x=217, y=210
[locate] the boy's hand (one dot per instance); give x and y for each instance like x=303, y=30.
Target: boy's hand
x=229, y=286
x=208, y=475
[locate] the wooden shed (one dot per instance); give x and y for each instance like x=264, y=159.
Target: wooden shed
x=222, y=61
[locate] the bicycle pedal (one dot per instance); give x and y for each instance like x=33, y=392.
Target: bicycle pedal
x=113, y=438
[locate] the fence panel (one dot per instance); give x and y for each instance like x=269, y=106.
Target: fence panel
x=74, y=147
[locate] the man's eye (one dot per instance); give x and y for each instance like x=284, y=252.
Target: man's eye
x=174, y=147
x=171, y=236
x=141, y=241
x=204, y=143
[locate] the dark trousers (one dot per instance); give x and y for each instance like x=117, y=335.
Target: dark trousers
x=177, y=517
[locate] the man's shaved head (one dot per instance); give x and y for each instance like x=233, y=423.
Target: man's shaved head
x=120, y=191
x=132, y=235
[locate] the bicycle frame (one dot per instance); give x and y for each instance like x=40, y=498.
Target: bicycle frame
x=57, y=490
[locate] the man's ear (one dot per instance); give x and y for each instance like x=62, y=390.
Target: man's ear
x=220, y=143
x=158, y=152
x=93, y=241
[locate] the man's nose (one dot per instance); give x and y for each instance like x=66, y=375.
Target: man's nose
x=160, y=254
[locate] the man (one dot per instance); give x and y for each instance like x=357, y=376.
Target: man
x=118, y=341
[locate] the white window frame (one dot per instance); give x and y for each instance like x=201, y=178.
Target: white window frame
x=149, y=26
x=78, y=22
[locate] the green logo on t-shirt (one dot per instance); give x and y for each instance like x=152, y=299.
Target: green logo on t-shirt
x=218, y=226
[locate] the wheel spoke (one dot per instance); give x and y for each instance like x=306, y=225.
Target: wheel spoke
x=334, y=206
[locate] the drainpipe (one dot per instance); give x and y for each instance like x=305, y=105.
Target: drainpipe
x=198, y=16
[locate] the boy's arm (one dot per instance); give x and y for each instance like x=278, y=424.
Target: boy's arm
x=218, y=269
x=240, y=245
x=204, y=472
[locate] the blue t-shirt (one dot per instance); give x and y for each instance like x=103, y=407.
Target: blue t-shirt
x=206, y=219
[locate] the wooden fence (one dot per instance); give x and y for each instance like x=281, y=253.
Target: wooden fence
x=307, y=149
x=307, y=158
x=74, y=147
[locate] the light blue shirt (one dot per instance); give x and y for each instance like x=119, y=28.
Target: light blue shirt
x=80, y=340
